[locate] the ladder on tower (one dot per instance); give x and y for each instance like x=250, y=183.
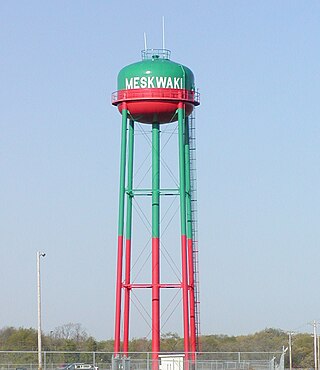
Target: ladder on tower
x=194, y=214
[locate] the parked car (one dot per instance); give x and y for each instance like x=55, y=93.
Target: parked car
x=79, y=366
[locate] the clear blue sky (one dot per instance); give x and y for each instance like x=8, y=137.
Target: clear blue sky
x=257, y=67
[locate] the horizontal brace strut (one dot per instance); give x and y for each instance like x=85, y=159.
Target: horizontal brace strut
x=148, y=192
x=131, y=286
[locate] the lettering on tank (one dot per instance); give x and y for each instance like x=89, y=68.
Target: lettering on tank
x=154, y=82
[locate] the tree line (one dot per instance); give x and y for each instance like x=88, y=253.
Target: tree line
x=72, y=337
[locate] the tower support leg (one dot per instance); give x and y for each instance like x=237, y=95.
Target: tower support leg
x=155, y=245
x=181, y=134
x=120, y=231
x=128, y=240
x=193, y=346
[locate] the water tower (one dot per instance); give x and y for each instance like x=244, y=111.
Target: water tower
x=157, y=91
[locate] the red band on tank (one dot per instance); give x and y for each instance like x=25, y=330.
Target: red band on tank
x=155, y=105
x=161, y=94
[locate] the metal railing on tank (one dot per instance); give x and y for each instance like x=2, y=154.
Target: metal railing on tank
x=155, y=54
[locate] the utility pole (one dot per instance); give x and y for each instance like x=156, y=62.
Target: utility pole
x=290, y=350
x=318, y=349
x=39, y=254
x=315, y=345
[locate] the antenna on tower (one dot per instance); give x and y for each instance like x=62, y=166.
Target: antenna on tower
x=145, y=41
x=163, y=43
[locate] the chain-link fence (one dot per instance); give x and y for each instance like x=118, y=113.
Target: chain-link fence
x=53, y=360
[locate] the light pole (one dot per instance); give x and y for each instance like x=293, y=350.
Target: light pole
x=39, y=255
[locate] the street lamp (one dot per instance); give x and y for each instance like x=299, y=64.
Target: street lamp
x=39, y=255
